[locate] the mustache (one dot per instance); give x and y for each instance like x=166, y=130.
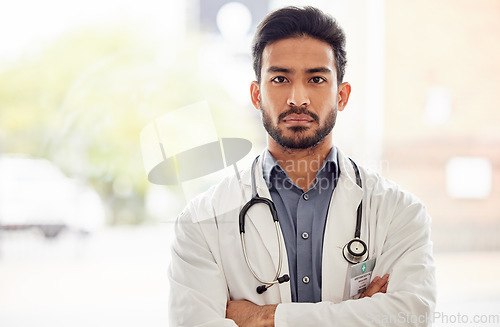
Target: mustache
x=298, y=111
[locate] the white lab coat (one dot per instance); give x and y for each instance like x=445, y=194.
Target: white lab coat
x=208, y=267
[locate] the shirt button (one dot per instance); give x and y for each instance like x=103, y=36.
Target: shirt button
x=306, y=196
x=305, y=235
x=305, y=280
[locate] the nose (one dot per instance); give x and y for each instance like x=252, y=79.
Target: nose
x=298, y=96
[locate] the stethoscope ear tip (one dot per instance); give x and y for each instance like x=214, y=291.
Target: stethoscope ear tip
x=283, y=279
x=261, y=289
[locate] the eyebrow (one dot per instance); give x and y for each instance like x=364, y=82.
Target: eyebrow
x=318, y=70
x=277, y=69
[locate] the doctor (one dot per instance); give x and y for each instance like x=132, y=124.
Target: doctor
x=299, y=61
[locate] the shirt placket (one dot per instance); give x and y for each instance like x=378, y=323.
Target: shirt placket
x=305, y=211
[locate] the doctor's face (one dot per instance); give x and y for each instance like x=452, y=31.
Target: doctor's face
x=298, y=94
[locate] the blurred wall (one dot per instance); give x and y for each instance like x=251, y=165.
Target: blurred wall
x=441, y=91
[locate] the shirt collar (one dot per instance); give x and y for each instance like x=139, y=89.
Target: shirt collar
x=269, y=164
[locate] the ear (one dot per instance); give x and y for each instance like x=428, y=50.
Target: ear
x=255, y=94
x=343, y=95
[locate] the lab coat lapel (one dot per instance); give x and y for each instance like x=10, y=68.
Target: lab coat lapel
x=260, y=217
x=339, y=230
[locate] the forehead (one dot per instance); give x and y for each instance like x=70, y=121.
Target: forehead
x=298, y=53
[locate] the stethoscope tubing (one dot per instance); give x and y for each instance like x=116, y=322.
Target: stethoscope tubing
x=359, y=213
x=278, y=270
x=349, y=255
x=254, y=200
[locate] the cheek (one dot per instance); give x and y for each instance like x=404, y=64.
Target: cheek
x=274, y=94
x=325, y=100
x=324, y=94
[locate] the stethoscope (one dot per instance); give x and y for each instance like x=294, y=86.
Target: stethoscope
x=355, y=251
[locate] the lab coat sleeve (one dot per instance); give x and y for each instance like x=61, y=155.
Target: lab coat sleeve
x=406, y=253
x=198, y=295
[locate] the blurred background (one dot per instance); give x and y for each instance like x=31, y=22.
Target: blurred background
x=84, y=236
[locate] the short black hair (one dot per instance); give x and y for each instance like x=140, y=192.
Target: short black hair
x=291, y=22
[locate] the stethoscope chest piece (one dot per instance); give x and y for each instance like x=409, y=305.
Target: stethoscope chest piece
x=355, y=251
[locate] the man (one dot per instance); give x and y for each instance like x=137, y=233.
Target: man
x=299, y=61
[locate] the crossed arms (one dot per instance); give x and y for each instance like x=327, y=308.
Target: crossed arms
x=247, y=314
x=200, y=288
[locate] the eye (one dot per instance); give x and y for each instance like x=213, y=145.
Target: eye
x=318, y=80
x=279, y=79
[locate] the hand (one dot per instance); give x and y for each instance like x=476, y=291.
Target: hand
x=246, y=313
x=378, y=285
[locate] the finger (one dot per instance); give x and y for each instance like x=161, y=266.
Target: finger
x=380, y=286
x=384, y=288
x=368, y=289
x=375, y=286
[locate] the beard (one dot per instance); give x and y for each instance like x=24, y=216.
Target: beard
x=299, y=139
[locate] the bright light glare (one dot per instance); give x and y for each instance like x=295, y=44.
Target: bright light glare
x=234, y=20
x=439, y=106
x=468, y=178
x=28, y=24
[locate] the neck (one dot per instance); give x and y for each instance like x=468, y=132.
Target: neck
x=301, y=165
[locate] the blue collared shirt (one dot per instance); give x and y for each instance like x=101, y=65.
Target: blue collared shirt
x=302, y=216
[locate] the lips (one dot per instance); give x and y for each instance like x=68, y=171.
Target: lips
x=298, y=118
x=298, y=115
